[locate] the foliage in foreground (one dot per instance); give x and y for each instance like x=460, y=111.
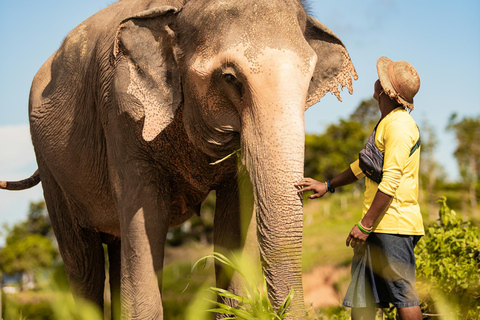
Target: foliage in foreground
x=47, y=304
x=448, y=263
x=447, y=269
x=254, y=305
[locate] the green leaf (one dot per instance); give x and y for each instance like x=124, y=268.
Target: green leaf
x=286, y=303
x=221, y=310
x=226, y=294
x=255, y=305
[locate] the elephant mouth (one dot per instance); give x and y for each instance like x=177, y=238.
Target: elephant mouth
x=222, y=145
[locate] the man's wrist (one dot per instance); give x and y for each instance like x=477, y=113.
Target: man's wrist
x=366, y=223
x=329, y=187
x=363, y=228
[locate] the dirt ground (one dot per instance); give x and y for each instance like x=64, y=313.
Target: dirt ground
x=324, y=286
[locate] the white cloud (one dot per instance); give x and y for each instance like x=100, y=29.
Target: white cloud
x=16, y=150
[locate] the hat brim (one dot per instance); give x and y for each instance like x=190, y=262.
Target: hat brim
x=382, y=71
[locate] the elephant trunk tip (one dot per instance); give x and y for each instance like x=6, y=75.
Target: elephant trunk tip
x=22, y=184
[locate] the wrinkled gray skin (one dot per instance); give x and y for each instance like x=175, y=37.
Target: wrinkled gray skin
x=127, y=115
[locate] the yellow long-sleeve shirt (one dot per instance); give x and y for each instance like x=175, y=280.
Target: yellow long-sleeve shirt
x=396, y=134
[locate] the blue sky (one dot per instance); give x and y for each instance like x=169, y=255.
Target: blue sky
x=441, y=39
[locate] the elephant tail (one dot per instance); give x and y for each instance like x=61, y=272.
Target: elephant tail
x=22, y=184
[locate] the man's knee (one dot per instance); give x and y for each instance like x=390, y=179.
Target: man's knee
x=410, y=313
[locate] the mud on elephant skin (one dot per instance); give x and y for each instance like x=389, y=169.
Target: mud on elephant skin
x=128, y=114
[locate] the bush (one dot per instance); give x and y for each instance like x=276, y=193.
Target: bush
x=448, y=261
x=30, y=305
x=52, y=300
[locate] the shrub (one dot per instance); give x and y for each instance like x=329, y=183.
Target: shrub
x=448, y=261
x=27, y=305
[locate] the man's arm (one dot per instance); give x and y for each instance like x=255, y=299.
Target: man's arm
x=320, y=188
x=379, y=206
x=380, y=203
x=343, y=179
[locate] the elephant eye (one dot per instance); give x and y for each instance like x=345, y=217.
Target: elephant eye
x=229, y=77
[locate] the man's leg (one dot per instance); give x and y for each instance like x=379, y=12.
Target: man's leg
x=410, y=313
x=363, y=314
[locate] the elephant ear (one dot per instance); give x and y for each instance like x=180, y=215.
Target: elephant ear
x=334, y=66
x=146, y=68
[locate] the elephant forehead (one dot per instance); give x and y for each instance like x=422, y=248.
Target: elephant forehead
x=224, y=24
x=254, y=60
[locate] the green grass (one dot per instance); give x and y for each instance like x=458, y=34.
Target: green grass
x=183, y=291
x=252, y=303
x=47, y=304
x=324, y=239
x=327, y=222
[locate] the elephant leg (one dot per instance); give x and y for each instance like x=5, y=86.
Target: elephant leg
x=81, y=249
x=226, y=232
x=144, y=224
x=114, y=258
x=86, y=267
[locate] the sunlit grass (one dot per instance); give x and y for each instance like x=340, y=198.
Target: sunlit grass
x=48, y=304
x=252, y=303
x=327, y=222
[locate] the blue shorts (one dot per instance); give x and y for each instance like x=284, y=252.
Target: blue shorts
x=383, y=272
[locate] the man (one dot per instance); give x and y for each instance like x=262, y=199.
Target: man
x=383, y=266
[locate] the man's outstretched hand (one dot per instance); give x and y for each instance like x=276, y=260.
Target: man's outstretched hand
x=309, y=184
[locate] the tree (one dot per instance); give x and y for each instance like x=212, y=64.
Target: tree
x=430, y=169
x=38, y=220
x=367, y=114
x=29, y=244
x=328, y=154
x=467, y=132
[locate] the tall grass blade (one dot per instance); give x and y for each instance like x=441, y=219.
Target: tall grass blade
x=255, y=304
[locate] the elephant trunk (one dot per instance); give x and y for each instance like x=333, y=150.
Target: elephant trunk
x=273, y=152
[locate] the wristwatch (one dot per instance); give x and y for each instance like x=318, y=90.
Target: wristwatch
x=329, y=188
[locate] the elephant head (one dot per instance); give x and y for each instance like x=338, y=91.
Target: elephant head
x=243, y=73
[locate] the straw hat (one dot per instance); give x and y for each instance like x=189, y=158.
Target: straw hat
x=399, y=80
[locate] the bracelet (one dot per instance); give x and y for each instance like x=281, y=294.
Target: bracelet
x=329, y=188
x=363, y=229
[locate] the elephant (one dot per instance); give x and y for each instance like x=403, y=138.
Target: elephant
x=129, y=114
